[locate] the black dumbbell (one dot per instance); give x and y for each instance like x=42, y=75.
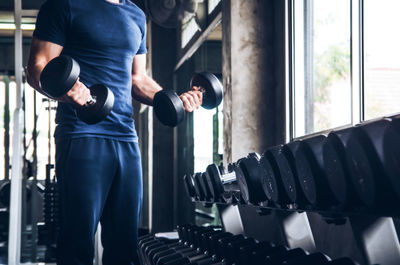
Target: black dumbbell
x=281, y=188
x=198, y=187
x=222, y=245
x=336, y=168
x=279, y=258
x=282, y=158
x=189, y=187
x=233, y=249
x=366, y=160
x=223, y=185
x=211, y=241
x=342, y=261
x=249, y=177
x=169, y=109
x=315, y=258
x=391, y=152
x=311, y=174
x=60, y=75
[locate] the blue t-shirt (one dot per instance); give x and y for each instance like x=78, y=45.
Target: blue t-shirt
x=103, y=38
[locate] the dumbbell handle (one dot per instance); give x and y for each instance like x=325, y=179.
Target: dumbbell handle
x=90, y=101
x=228, y=178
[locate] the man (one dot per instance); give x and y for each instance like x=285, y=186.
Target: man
x=97, y=166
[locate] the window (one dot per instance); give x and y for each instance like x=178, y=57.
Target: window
x=322, y=83
x=381, y=58
x=345, y=65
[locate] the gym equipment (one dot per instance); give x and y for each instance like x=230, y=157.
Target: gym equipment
x=248, y=174
x=366, y=159
x=311, y=175
x=189, y=187
x=198, y=187
x=223, y=185
x=391, y=152
x=168, y=107
x=210, y=245
x=281, y=188
x=60, y=75
x=336, y=168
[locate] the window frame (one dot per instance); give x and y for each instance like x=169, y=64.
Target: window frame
x=356, y=68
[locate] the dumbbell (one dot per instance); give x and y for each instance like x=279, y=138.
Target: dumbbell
x=201, y=193
x=311, y=174
x=249, y=177
x=281, y=257
x=336, y=167
x=314, y=258
x=189, y=187
x=223, y=185
x=168, y=107
x=367, y=165
x=189, y=244
x=391, y=152
x=60, y=75
x=278, y=180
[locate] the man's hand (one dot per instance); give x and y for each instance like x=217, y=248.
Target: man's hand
x=78, y=95
x=192, y=99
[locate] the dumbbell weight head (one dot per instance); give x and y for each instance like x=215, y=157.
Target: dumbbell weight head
x=169, y=108
x=213, y=91
x=365, y=158
x=189, y=187
x=311, y=174
x=336, y=167
x=59, y=76
x=391, y=153
x=249, y=177
x=98, y=111
x=214, y=181
x=272, y=181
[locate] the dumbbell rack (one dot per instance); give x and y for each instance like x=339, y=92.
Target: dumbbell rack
x=364, y=234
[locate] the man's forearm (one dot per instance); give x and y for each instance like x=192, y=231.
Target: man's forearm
x=144, y=88
x=33, y=72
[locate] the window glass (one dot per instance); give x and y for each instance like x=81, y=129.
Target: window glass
x=212, y=4
x=381, y=58
x=322, y=83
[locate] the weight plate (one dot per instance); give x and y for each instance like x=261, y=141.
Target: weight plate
x=98, y=111
x=306, y=167
x=214, y=181
x=213, y=91
x=285, y=167
x=189, y=186
x=336, y=170
x=197, y=186
x=59, y=76
x=205, y=187
x=358, y=156
x=168, y=108
x=391, y=154
x=268, y=180
x=250, y=180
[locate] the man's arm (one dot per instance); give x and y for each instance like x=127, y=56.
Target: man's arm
x=41, y=53
x=144, y=87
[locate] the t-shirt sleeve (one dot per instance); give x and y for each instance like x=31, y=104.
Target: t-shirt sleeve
x=53, y=21
x=142, y=48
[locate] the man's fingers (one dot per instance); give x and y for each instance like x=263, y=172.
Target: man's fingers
x=196, y=99
x=186, y=103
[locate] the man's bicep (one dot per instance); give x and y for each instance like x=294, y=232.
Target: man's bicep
x=139, y=64
x=43, y=51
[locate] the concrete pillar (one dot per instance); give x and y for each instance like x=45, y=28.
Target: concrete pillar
x=253, y=76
